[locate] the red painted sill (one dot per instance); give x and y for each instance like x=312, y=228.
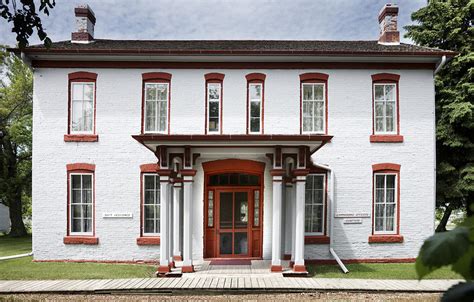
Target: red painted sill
x=385, y=239
x=81, y=137
x=316, y=239
x=148, y=240
x=81, y=240
x=386, y=138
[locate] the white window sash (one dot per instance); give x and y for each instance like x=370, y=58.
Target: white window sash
x=259, y=100
x=395, y=211
x=313, y=101
x=71, y=113
x=81, y=204
x=157, y=108
x=219, y=101
x=384, y=102
x=323, y=218
x=144, y=204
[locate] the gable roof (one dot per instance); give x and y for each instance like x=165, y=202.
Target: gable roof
x=238, y=47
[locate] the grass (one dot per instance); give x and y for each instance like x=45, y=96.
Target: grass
x=378, y=271
x=13, y=246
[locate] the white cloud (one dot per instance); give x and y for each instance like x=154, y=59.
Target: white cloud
x=223, y=19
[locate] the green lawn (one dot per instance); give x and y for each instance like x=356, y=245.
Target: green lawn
x=14, y=246
x=378, y=271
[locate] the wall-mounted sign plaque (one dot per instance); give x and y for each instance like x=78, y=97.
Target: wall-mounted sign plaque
x=117, y=215
x=352, y=221
x=352, y=215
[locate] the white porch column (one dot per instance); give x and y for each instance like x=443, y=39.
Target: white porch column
x=293, y=224
x=170, y=224
x=277, y=220
x=300, y=218
x=188, y=176
x=164, y=223
x=176, y=222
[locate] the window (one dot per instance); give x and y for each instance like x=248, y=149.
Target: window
x=385, y=203
x=213, y=112
x=82, y=86
x=156, y=96
x=314, y=103
x=210, y=209
x=385, y=107
x=315, y=199
x=81, y=199
x=255, y=108
x=151, y=204
x=156, y=107
x=213, y=103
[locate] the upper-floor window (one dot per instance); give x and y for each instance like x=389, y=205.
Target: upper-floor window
x=82, y=103
x=315, y=201
x=255, y=91
x=81, y=199
x=314, y=103
x=385, y=104
x=156, y=87
x=214, y=103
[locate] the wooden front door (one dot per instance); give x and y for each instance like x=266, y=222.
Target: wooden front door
x=233, y=216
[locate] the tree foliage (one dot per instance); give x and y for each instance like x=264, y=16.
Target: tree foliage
x=16, y=94
x=25, y=18
x=448, y=24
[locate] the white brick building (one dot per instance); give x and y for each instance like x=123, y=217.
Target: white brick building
x=147, y=150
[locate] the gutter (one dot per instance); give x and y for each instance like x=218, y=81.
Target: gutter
x=331, y=225
x=442, y=62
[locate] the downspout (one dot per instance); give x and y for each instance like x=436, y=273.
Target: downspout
x=331, y=223
x=440, y=65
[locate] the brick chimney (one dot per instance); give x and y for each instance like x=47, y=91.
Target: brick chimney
x=389, y=33
x=85, y=21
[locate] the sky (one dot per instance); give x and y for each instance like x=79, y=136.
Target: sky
x=224, y=19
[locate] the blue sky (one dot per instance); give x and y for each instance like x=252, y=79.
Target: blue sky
x=224, y=19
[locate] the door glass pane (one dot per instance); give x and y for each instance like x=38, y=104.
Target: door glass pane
x=240, y=243
x=241, y=210
x=210, y=209
x=225, y=243
x=256, y=208
x=225, y=212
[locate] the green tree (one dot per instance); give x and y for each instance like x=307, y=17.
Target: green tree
x=448, y=24
x=16, y=94
x=24, y=18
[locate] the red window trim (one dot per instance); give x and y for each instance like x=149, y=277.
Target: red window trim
x=80, y=239
x=146, y=239
x=214, y=77
x=323, y=238
x=386, y=78
x=156, y=77
x=81, y=76
x=314, y=77
x=393, y=169
x=258, y=78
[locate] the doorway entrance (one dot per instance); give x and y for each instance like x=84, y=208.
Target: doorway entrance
x=233, y=209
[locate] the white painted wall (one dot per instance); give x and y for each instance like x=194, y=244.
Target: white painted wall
x=118, y=157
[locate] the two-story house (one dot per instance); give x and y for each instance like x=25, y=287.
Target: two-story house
x=190, y=150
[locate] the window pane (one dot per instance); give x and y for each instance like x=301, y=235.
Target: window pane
x=379, y=109
x=214, y=91
x=255, y=109
x=77, y=118
x=149, y=197
x=390, y=196
x=307, y=92
x=149, y=182
x=380, y=181
x=213, y=124
x=163, y=115
x=162, y=92
x=76, y=196
x=319, y=92
x=76, y=181
x=86, y=196
x=318, y=124
x=390, y=181
x=255, y=92
x=87, y=181
x=255, y=124
x=150, y=121
x=76, y=225
x=389, y=92
x=76, y=211
x=77, y=92
x=378, y=89
x=150, y=92
x=88, y=92
x=213, y=109
x=87, y=211
x=149, y=226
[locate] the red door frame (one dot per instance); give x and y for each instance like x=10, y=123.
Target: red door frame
x=210, y=250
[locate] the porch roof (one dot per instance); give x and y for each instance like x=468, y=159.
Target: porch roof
x=312, y=141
